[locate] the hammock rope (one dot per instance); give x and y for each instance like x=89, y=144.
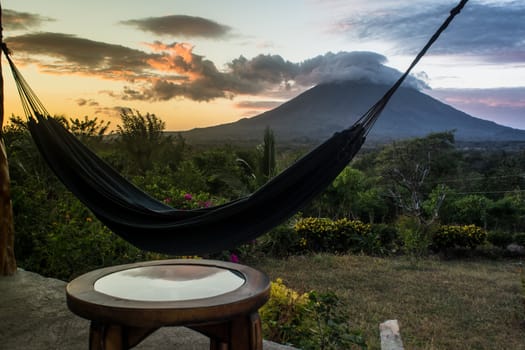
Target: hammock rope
x=152, y=225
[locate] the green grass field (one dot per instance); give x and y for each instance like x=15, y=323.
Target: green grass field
x=458, y=304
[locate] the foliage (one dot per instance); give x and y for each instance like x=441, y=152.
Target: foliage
x=281, y=241
x=56, y=240
x=331, y=329
x=465, y=236
x=268, y=163
x=519, y=238
x=472, y=209
x=141, y=136
x=357, y=195
x=311, y=321
x=357, y=212
x=282, y=316
x=388, y=238
x=508, y=212
x=410, y=169
x=499, y=238
x=222, y=173
x=415, y=236
x=435, y=301
x=339, y=236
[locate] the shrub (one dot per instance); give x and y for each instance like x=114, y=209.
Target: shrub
x=499, y=238
x=465, y=236
x=519, y=238
x=317, y=234
x=415, y=237
x=357, y=236
x=310, y=321
x=64, y=246
x=326, y=235
x=281, y=241
x=328, y=325
x=388, y=237
x=283, y=314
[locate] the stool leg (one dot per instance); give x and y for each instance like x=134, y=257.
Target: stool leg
x=216, y=344
x=105, y=337
x=246, y=333
x=114, y=337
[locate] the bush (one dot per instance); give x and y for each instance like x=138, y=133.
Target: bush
x=64, y=246
x=281, y=241
x=340, y=236
x=317, y=234
x=415, y=237
x=282, y=316
x=310, y=321
x=499, y=238
x=357, y=236
x=465, y=236
x=519, y=238
x=387, y=235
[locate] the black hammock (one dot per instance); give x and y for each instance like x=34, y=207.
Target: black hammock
x=154, y=226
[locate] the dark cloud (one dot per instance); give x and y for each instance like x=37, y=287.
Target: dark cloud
x=171, y=71
x=86, y=102
x=268, y=68
x=180, y=25
x=13, y=20
x=72, y=55
x=493, y=32
x=358, y=65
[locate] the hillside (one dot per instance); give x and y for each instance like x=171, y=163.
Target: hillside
x=319, y=112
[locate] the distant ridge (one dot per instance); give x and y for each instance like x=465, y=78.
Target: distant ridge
x=324, y=109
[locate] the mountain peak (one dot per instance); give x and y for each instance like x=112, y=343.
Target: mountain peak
x=326, y=108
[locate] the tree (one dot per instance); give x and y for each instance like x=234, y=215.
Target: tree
x=411, y=169
x=406, y=166
x=88, y=130
x=142, y=137
x=7, y=230
x=268, y=156
x=346, y=188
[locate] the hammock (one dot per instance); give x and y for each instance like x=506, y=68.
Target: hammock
x=152, y=225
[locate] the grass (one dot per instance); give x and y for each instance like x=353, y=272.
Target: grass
x=459, y=304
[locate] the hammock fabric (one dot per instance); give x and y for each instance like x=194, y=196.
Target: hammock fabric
x=154, y=226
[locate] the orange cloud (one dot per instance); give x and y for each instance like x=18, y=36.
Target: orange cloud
x=177, y=58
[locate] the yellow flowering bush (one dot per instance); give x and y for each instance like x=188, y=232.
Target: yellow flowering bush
x=283, y=314
x=465, y=236
x=316, y=234
x=339, y=236
x=309, y=321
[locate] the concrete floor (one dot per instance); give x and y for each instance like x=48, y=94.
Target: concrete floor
x=34, y=315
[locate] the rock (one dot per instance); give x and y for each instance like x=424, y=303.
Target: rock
x=390, y=336
x=516, y=249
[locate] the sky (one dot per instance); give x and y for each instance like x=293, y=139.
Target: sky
x=200, y=63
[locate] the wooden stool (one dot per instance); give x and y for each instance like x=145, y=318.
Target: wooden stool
x=127, y=303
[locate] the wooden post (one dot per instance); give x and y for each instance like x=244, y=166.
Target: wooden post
x=7, y=231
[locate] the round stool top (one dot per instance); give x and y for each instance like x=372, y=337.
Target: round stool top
x=168, y=292
x=169, y=282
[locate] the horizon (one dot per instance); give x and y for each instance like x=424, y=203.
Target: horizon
x=197, y=66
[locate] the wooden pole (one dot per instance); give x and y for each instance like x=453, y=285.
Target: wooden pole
x=7, y=231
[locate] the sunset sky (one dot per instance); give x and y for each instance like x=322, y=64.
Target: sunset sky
x=200, y=63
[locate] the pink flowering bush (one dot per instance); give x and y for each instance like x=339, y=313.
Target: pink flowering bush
x=180, y=199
